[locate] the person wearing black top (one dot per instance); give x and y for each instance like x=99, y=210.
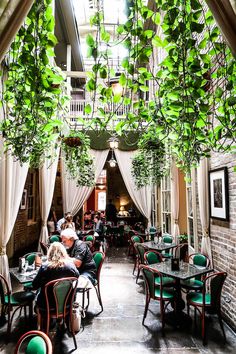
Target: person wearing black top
x=80, y=253
x=58, y=266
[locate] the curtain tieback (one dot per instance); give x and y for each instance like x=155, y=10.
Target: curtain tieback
x=44, y=223
x=2, y=251
x=206, y=232
x=176, y=221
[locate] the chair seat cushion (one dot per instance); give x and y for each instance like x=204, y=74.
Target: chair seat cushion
x=166, y=255
x=28, y=284
x=166, y=294
x=197, y=298
x=192, y=284
x=36, y=345
x=20, y=297
x=165, y=280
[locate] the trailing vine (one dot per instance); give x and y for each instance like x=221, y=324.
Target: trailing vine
x=33, y=91
x=193, y=100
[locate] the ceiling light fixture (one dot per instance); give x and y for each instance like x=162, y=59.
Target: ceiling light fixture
x=113, y=142
x=112, y=162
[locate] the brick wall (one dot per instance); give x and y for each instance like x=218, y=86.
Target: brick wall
x=223, y=238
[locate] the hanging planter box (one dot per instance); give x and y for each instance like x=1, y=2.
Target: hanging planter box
x=72, y=141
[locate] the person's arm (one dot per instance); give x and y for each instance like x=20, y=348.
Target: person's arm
x=77, y=262
x=79, y=254
x=36, y=283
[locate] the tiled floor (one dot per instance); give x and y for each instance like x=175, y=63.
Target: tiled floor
x=118, y=329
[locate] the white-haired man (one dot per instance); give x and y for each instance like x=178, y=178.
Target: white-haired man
x=80, y=254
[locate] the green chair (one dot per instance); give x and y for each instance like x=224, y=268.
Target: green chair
x=90, y=239
x=167, y=239
x=135, y=239
x=54, y=238
x=130, y=244
x=158, y=293
x=209, y=302
x=151, y=257
x=30, y=258
x=152, y=232
x=140, y=249
x=34, y=342
x=197, y=259
x=17, y=300
x=59, y=295
x=99, y=259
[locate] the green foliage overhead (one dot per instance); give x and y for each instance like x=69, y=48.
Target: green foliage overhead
x=193, y=100
x=33, y=91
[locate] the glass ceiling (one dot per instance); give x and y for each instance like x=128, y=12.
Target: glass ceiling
x=114, y=14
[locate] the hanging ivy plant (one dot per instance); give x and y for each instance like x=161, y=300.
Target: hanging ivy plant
x=79, y=162
x=33, y=91
x=193, y=104
x=150, y=163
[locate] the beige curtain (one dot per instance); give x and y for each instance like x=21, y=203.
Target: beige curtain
x=224, y=12
x=141, y=197
x=175, y=200
x=12, y=181
x=12, y=16
x=47, y=177
x=74, y=197
x=203, y=193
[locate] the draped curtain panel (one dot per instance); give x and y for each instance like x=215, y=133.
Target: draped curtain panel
x=175, y=200
x=12, y=16
x=141, y=197
x=224, y=12
x=47, y=177
x=74, y=197
x=203, y=193
x=12, y=181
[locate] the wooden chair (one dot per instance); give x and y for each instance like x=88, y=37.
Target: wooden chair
x=140, y=250
x=90, y=239
x=17, y=300
x=35, y=342
x=59, y=295
x=210, y=302
x=44, y=248
x=167, y=238
x=158, y=293
x=99, y=259
x=181, y=251
x=30, y=258
x=152, y=257
x=198, y=259
x=135, y=239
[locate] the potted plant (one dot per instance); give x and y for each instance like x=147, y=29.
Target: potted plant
x=79, y=162
x=149, y=164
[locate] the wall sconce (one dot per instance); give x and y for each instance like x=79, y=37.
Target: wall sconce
x=113, y=142
x=112, y=162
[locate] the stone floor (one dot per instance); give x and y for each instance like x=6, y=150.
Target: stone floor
x=118, y=329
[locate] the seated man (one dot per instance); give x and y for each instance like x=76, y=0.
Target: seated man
x=80, y=254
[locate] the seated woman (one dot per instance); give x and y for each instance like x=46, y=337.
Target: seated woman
x=68, y=223
x=58, y=266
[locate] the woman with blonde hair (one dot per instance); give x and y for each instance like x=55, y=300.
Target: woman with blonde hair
x=57, y=266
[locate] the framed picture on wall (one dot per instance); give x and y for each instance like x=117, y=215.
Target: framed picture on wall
x=23, y=199
x=219, y=194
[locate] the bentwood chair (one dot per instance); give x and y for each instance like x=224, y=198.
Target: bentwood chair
x=181, y=252
x=131, y=250
x=167, y=239
x=34, y=342
x=99, y=259
x=59, y=295
x=135, y=239
x=151, y=257
x=54, y=238
x=44, y=247
x=140, y=249
x=199, y=260
x=209, y=302
x=30, y=258
x=17, y=300
x=158, y=293
x=90, y=239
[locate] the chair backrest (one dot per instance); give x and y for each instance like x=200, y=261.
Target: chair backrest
x=167, y=238
x=136, y=238
x=151, y=257
x=141, y=249
x=98, y=259
x=152, y=230
x=149, y=277
x=44, y=247
x=90, y=238
x=36, y=341
x=63, y=291
x=199, y=259
x=30, y=257
x=4, y=290
x=54, y=238
x=216, y=284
